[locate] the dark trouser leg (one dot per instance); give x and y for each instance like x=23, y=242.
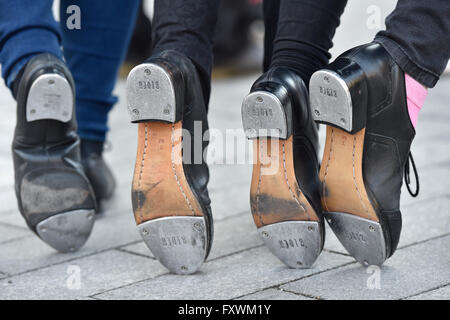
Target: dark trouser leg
x=417, y=37
x=187, y=26
x=303, y=34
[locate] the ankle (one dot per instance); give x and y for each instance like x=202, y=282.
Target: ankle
x=91, y=147
x=416, y=94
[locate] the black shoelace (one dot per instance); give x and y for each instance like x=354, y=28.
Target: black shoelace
x=407, y=177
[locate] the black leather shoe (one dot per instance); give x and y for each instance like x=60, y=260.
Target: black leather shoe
x=361, y=98
x=284, y=196
x=53, y=193
x=97, y=170
x=169, y=195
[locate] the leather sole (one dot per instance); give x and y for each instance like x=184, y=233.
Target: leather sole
x=169, y=217
x=345, y=200
x=286, y=221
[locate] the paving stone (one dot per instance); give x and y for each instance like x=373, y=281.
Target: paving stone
x=230, y=277
x=31, y=253
x=438, y=294
x=274, y=294
x=228, y=202
x=13, y=218
x=409, y=271
x=61, y=281
x=7, y=199
x=9, y=233
x=231, y=235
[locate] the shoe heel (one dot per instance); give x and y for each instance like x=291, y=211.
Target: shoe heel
x=154, y=92
x=267, y=113
x=338, y=96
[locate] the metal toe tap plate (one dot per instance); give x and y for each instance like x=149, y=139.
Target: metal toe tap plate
x=179, y=243
x=50, y=97
x=67, y=232
x=264, y=116
x=295, y=243
x=362, y=238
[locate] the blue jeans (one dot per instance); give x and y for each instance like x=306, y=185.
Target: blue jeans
x=93, y=54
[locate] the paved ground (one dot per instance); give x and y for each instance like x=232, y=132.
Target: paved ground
x=115, y=264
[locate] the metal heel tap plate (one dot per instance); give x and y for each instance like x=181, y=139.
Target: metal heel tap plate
x=264, y=116
x=50, y=97
x=331, y=100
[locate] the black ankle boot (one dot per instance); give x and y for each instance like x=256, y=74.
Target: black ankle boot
x=284, y=196
x=96, y=169
x=361, y=97
x=170, y=197
x=53, y=194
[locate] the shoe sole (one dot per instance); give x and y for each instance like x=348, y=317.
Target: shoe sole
x=169, y=217
x=345, y=200
x=286, y=221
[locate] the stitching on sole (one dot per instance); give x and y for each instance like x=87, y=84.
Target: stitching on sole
x=354, y=178
x=143, y=163
x=287, y=182
x=259, y=182
x=326, y=170
x=175, y=171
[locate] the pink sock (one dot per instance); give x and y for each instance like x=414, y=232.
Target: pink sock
x=415, y=96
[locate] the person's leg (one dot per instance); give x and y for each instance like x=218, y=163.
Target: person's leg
x=168, y=98
x=187, y=27
x=304, y=33
x=26, y=30
x=276, y=116
x=369, y=97
x=94, y=55
x=422, y=52
x=417, y=36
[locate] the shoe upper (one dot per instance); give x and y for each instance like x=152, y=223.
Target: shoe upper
x=305, y=136
x=97, y=170
x=194, y=120
x=49, y=178
x=389, y=133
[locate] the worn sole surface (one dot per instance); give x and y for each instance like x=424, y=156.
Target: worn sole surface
x=170, y=219
x=287, y=223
